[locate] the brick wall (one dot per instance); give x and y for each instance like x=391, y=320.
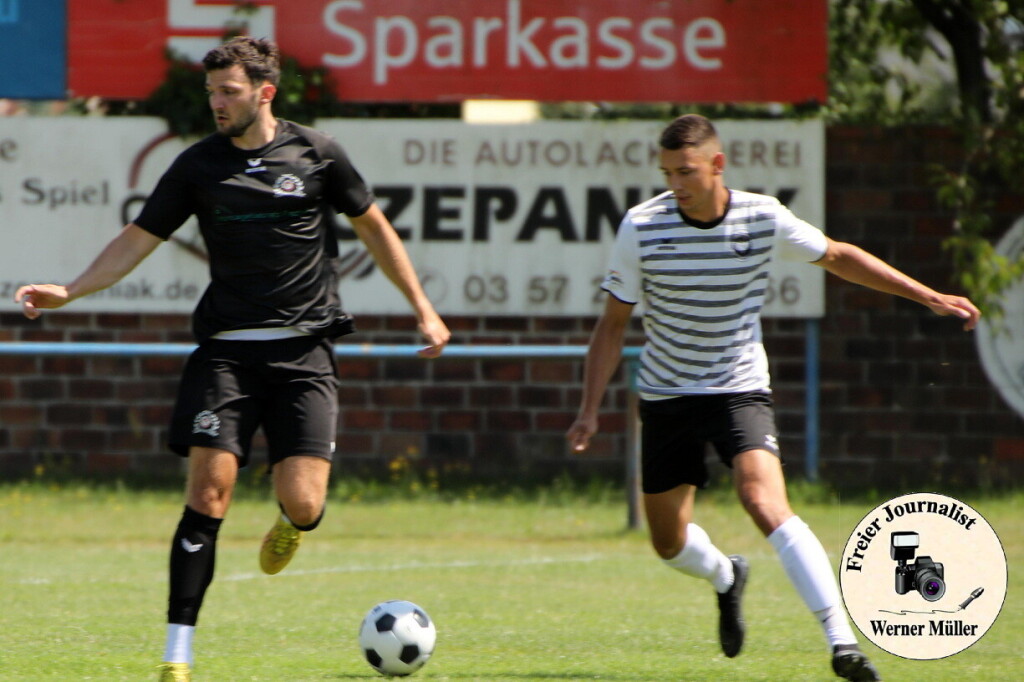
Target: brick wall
x=460, y=416
x=903, y=396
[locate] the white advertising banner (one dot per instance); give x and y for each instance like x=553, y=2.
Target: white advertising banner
x=67, y=186
x=498, y=219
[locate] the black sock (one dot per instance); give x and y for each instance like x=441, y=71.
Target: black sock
x=193, y=552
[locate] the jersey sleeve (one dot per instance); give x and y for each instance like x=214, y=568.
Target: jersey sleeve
x=622, y=280
x=799, y=240
x=346, y=190
x=170, y=204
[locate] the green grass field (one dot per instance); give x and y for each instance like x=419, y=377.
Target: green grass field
x=545, y=587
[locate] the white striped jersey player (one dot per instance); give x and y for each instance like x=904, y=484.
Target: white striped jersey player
x=703, y=286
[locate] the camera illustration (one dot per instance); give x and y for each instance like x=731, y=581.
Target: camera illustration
x=923, y=575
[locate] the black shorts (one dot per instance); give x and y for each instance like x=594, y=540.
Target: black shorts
x=675, y=433
x=230, y=388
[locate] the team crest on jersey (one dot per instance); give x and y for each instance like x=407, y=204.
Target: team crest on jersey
x=206, y=422
x=289, y=185
x=741, y=242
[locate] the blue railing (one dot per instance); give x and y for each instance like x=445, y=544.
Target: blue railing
x=342, y=350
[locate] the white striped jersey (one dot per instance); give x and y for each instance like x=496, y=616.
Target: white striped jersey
x=703, y=286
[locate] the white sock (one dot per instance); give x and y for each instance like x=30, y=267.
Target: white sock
x=836, y=626
x=179, y=643
x=808, y=568
x=702, y=559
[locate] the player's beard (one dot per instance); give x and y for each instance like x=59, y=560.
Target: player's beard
x=244, y=120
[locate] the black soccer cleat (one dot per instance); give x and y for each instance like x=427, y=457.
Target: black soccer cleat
x=731, y=628
x=850, y=663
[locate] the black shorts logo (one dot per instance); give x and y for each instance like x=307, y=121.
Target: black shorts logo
x=206, y=422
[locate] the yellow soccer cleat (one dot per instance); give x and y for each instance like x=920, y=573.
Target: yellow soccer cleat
x=175, y=672
x=279, y=546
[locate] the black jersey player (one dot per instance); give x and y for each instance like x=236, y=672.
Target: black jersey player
x=265, y=192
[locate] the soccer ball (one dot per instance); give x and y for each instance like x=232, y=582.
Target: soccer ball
x=397, y=637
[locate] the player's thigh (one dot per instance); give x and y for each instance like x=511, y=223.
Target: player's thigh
x=212, y=474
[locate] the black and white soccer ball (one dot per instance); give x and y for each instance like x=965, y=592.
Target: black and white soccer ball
x=397, y=637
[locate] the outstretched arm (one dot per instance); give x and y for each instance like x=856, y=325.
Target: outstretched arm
x=118, y=258
x=858, y=266
x=390, y=255
x=603, y=356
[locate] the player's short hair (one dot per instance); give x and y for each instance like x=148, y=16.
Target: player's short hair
x=689, y=130
x=259, y=57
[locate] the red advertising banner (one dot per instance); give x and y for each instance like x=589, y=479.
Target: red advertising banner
x=450, y=50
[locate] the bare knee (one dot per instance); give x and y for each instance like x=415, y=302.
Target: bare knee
x=668, y=550
x=668, y=542
x=303, y=511
x=767, y=510
x=761, y=488
x=211, y=481
x=668, y=514
x=301, y=486
x=211, y=500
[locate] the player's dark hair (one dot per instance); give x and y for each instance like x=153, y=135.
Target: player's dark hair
x=259, y=57
x=689, y=130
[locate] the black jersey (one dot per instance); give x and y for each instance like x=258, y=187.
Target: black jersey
x=267, y=216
